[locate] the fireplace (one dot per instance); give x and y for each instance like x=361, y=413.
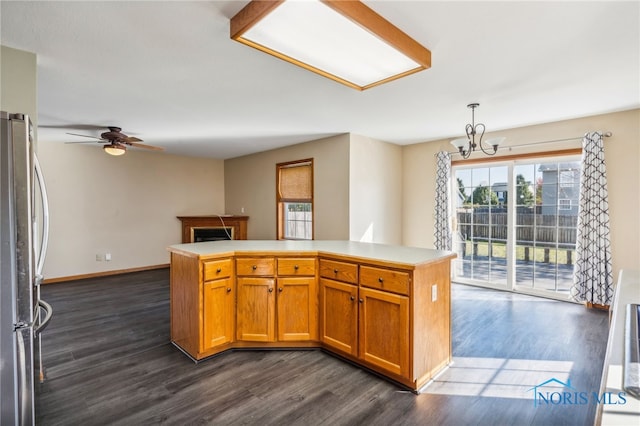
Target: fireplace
x=213, y=228
x=215, y=233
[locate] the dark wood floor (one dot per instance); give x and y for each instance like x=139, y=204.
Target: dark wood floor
x=108, y=360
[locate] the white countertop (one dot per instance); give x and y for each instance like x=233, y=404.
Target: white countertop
x=410, y=256
x=627, y=291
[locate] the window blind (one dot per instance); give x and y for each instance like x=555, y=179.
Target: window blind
x=295, y=182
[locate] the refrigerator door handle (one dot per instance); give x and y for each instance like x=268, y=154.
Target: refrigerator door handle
x=42, y=324
x=45, y=218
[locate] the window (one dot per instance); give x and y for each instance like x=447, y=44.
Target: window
x=564, y=204
x=294, y=196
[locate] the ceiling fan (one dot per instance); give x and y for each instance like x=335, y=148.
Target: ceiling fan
x=116, y=142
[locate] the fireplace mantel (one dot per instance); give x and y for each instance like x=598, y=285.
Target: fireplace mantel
x=238, y=223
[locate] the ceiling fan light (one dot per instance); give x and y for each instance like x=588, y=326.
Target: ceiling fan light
x=114, y=149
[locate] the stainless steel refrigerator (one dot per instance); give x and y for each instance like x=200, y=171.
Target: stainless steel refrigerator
x=24, y=226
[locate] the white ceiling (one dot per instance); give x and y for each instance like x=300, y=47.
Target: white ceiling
x=168, y=73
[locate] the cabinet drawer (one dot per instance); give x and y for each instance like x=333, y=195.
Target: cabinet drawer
x=214, y=269
x=341, y=271
x=385, y=279
x=296, y=266
x=255, y=266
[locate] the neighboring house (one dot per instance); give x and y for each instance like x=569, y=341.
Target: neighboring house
x=560, y=188
x=501, y=189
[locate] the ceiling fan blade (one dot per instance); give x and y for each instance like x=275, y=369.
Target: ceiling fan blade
x=86, y=136
x=86, y=127
x=141, y=145
x=130, y=139
x=87, y=141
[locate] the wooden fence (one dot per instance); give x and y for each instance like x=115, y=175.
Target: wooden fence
x=532, y=229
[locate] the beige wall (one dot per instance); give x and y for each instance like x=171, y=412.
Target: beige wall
x=18, y=82
x=622, y=156
x=123, y=205
x=250, y=183
x=375, y=191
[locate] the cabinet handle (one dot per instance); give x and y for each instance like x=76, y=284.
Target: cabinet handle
x=361, y=300
x=218, y=270
x=228, y=289
x=280, y=289
x=352, y=298
x=270, y=290
x=335, y=271
x=380, y=280
x=254, y=267
x=295, y=267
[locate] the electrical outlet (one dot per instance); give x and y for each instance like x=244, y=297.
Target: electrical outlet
x=99, y=257
x=434, y=292
x=242, y=210
x=107, y=257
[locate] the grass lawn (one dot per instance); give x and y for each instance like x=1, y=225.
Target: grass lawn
x=500, y=252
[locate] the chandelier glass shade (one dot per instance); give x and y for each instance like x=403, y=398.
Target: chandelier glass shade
x=468, y=145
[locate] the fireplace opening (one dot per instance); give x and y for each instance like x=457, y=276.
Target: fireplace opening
x=216, y=233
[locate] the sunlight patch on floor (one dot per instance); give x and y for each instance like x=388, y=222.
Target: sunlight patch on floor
x=497, y=377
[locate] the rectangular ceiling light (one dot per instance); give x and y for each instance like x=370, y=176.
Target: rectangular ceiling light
x=345, y=41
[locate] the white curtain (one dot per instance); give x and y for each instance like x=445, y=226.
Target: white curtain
x=442, y=215
x=593, y=275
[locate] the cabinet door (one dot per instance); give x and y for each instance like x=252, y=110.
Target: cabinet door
x=297, y=309
x=339, y=316
x=256, y=309
x=384, y=330
x=218, y=315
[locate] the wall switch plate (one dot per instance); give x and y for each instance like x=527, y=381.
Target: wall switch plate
x=434, y=292
x=107, y=257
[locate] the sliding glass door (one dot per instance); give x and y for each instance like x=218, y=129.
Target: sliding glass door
x=515, y=224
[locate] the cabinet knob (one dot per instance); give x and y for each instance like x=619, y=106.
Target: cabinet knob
x=380, y=280
x=361, y=300
x=254, y=267
x=228, y=289
x=280, y=289
x=352, y=298
x=270, y=290
x=218, y=270
x=335, y=271
x=295, y=267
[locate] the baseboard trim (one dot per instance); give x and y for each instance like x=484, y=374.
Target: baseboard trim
x=103, y=274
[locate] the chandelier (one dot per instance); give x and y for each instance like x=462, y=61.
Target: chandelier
x=466, y=146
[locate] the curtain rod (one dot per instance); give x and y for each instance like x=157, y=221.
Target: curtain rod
x=605, y=134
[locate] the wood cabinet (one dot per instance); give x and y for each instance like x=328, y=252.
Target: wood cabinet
x=256, y=309
x=256, y=305
x=389, y=316
x=297, y=303
x=297, y=299
x=218, y=312
x=383, y=331
x=288, y=314
x=218, y=316
x=369, y=324
x=339, y=316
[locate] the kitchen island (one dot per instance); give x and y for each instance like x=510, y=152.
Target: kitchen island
x=385, y=308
